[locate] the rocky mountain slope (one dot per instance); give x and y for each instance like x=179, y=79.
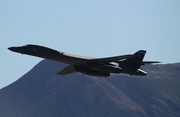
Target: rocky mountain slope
x=43, y=93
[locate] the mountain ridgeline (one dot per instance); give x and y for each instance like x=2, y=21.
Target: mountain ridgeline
x=43, y=93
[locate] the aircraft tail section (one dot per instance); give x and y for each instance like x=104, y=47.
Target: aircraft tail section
x=136, y=60
x=139, y=55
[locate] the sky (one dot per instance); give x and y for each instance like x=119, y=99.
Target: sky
x=93, y=28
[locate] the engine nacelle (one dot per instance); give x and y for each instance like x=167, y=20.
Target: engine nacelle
x=86, y=70
x=141, y=72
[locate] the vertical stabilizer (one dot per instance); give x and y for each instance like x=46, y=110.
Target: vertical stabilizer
x=136, y=59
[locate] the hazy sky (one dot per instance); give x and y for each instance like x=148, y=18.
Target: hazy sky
x=90, y=28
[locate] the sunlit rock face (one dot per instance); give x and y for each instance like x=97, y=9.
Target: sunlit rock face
x=41, y=92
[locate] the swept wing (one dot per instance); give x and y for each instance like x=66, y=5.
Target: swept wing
x=70, y=69
x=110, y=59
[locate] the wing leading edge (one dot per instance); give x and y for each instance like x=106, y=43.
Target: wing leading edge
x=67, y=70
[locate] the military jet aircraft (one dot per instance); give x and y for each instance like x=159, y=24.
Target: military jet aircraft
x=128, y=64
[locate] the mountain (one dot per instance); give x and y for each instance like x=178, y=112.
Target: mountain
x=43, y=93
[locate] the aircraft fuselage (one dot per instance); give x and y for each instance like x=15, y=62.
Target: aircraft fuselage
x=88, y=65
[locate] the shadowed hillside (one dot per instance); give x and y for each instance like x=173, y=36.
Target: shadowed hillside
x=43, y=93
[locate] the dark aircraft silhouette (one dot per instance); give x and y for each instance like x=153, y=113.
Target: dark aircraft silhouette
x=128, y=64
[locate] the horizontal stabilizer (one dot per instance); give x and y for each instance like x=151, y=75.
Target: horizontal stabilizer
x=146, y=62
x=67, y=70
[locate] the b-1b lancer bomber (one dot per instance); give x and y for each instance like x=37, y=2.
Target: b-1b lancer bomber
x=128, y=64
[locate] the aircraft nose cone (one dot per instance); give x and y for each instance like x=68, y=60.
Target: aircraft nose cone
x=16, y=49
x=11, y=48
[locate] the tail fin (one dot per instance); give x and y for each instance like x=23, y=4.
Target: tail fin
x=139, y=55
x=136, y=59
